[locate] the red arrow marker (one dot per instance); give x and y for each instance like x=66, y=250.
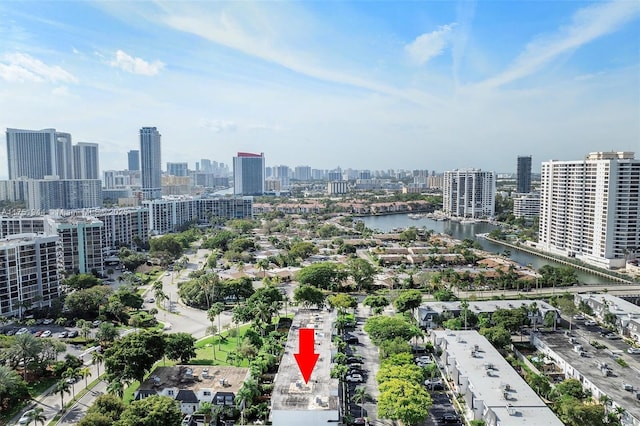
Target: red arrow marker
x=306, y=358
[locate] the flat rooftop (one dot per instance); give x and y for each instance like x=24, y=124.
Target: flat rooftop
x=290, y=391
x=490, y=376
x=485, y=306
x=195, y=378
x=589, y=368
x=617, y=305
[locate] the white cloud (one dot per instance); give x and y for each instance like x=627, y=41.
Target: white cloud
x=20, y=67
x=219, y=126
x=135, y=65
x=429, y=45
x=60, y=91
x=587, y=25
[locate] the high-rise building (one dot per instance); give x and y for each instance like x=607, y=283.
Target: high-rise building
x=282, y=174
x=302, y=173
x=46, y=194
x=523, y=183
x=248, y=174
x=80, y=243
x=64, y=156
x=151, y=163
x=469, y=193
x=205, y=166
x=35, y=154
x=28, y=272
x=589, y=208
x=177, y=169
x=86, y=163
x=134, y=159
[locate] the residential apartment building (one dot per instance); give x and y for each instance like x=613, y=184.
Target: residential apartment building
x=523, y=176
x=133, y=159
x=294, y=402
x=337, y=187
x=302, y=173
x=590, y=209
x=35, y=154
x=248, y=174
x=150, y=163
x=492, y=390
x=25, y=223
x=469, y=193
x=28, y=272
x=46, y=194
x=80, y=241
x=177, y=169
x=86, y=163
x=526, y=206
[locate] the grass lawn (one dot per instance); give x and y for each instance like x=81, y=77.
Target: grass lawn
x=228, y=344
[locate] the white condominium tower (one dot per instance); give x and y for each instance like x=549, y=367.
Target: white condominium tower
x=86, y=163
x=590, y=209
x=469, y=193
x=150, y=162
x=35, y=154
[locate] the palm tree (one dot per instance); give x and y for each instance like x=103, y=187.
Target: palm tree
x=62, y=387
x=247, y=393
x=37, y=416
x=25, y=349
x=86, y=373
x=215, y=311
x=85, y=327
x=96, y=359
x=263, y=264
x=72, y=374
x=360, y=396
x=116, y=387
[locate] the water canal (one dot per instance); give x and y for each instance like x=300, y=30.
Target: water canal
x=461, y=231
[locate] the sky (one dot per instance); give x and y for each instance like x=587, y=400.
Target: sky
x=362, y=84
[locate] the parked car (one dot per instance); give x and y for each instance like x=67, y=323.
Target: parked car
x=46, y=333
x=23, y=330
x=633, y=351
x=62, y=334
x=26, y=417
x=151, y=300
x=449, y=418
x=354, y=360
x=613, y=336
x=355, y=378
x=47, y=321
x=351, y=339
x=590, y=323
x=97, y=323
x=38, y=333
x=72, y=334
x=578, y=317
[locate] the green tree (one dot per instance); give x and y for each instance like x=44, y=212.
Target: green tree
x=215, y=311
x=36, y=415
x=96, y=419
x=408, y=301
x=107, y=333
x=382, y=328
x=404, y=401
x=360, y=396
x=86, y=303
x=377, y=303
x=63, y=387
x=25, y=349
x=180, y=346
x=409, y=373
x=81, y=281
x=152, y=411
x=323, y=275
x=308, y=296
x=13, y=388
x=302, y=249
x=362, y=272
x=342, y=302
x=166, y=243
x=97, y=358
x=132, y=356
x=498, y=336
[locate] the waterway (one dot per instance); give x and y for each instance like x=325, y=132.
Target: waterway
x=462, y=231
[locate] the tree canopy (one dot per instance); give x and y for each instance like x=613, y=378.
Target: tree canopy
x=132, y=356
x=323, y=275
x=180, y=346
x=404, y=401
x=382, y=328
x=155, y=410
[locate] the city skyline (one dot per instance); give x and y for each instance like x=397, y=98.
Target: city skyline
x=446, y=84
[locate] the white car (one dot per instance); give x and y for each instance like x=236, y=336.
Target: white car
x=423, y=359
x=590, y=323
x=355, y=378
x=47, y=321
x=26, y=417
x=633, y=351
x=23, y=330
x=46, y=333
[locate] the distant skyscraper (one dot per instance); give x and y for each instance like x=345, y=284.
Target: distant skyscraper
x=469, y=193
x=248, y=174
x=523, y=183
x=302, y=173
x=86, y=161
x=38, y=153
x=151, y=163
x=178, y=169
x=589, y=208
x=205, y=166
x=134, y=159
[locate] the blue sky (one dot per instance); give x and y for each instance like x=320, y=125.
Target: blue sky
x=367, y=84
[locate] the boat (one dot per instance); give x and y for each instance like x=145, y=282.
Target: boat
x=415, y=216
